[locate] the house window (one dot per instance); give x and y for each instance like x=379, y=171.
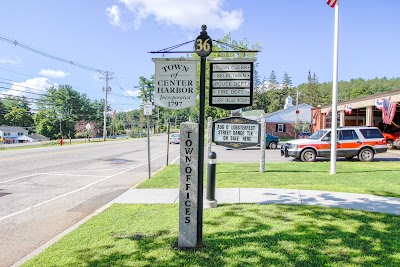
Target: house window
x=280, y=128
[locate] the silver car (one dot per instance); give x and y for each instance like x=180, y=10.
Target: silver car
x=175, y=138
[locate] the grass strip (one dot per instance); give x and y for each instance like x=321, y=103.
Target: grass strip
x=377, y=178
x=233, y=235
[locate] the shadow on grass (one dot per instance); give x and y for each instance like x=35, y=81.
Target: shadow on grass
x=267, y=235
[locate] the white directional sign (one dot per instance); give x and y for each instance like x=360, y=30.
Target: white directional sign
x=231, y=83
x=175, y=82
x=147, y=109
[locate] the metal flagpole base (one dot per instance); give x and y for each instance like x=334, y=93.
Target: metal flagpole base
x=209, y=204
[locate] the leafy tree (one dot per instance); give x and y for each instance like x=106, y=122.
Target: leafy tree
x=146, y=89
x=16, y=111
x=60, y=108
x=18, y=117
x=2, y=112
x=312, y=95
x=274, y=93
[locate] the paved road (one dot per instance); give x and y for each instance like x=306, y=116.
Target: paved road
x=44, y=191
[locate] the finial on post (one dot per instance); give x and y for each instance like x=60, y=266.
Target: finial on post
x=203, y=29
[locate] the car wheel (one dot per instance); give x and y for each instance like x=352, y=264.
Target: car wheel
x=389, y=144
x=273, y=145
x=308, y=155
x=366, y=154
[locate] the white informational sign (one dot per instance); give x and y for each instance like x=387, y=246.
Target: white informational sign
x=147, y=109
x=175, y=82
x=229, y=132
x=87, y=126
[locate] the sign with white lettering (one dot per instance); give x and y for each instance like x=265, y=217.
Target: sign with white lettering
x=175, y=82
x=231, y=83
x=189, y=185
x=236, y=132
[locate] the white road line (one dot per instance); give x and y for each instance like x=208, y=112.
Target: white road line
x=175, y=159
x=19, y=178
x=75, y=191
x=79, y=175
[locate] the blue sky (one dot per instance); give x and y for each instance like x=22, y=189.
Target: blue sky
x=116, y=35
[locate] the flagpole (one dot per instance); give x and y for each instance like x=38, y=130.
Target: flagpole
x=334, y=91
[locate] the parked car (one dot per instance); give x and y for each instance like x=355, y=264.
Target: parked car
x=390, y=139
x=272, y=141
x=363, y=142
x=175, y=138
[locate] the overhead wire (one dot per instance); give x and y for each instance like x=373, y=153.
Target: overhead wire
x=42, y=53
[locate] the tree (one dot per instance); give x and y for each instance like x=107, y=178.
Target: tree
x=146, y=89
x=18, y=117
x=16, y=111
x=311, y=93
x=60, y=108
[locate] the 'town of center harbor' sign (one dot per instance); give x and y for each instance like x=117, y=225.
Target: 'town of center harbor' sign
x=231, y=83
x=175, y=82
x=236, y=132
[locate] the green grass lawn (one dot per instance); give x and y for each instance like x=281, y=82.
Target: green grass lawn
x=233, y=235
x=378, y=178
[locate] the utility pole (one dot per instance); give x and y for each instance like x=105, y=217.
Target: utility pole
x=106, y=89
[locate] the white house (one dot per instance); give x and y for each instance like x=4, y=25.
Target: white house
x=12, y=133
x=282, y=122
x=15, y=134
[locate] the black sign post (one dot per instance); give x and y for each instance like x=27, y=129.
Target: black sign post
x=203, y=48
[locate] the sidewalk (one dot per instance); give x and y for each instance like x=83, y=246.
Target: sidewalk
x=272, y=196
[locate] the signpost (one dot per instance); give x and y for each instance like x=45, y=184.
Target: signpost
x=236, y=132
x=175, y=88
x=231, y=83
x=147, y=111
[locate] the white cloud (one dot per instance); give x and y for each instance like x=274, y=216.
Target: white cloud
x=188, y=14
x=133, y=93
x=31, y=88
x=10, y=61
x=114, y=15
x=53, y=73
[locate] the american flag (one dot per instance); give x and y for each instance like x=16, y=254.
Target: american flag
x=388, y=111
x=328, y=112
x=347, y=108
x=331, y=3
x=379, y=102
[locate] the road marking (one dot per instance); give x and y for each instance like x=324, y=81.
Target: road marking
x=19, y=178
x=75, y=191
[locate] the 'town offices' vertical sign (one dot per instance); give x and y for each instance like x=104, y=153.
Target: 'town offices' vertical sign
x=231, y=83
x=188, y=191
x=175, y=82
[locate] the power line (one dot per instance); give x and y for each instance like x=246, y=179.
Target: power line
x=42, y=53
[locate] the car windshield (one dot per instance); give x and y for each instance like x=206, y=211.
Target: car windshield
x=317, y=135
x=174, y=135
